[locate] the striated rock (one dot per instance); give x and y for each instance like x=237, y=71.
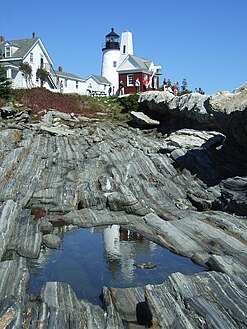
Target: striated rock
x=121, y=304
x=11, y=313
x=185, y=190
x=8, y=214
x=60, y=308
x=26, y=237
x=226, y=264
x=193, y=139
x=189, y=302
x=202, y=300
x=14, y=279
x=22, y=117
x=234, y=192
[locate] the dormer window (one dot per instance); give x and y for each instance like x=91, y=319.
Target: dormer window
x=7, y=51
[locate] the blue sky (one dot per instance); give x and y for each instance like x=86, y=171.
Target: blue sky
x=204, y=41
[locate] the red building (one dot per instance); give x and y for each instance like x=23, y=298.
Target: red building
x=133, y=68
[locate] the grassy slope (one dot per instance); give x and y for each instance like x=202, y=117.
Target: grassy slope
x=40, y=99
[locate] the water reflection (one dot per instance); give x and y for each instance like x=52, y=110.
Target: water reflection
x=121, y=250
x=92, y=258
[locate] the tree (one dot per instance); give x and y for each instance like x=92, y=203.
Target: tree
x=5, y=84
x=26, y=69
x=42, y=74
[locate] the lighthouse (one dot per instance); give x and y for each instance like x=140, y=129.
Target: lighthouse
x=110, y=58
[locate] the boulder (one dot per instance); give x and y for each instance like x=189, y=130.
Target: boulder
x=233, y=196
x=8, y=111
x=230, y=113
x=143, y=120
x=52, y=241
x=222, y=111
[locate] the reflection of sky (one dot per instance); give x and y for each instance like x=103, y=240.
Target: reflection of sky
x=91, y=258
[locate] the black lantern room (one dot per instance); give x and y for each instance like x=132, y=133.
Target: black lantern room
x=111, y=41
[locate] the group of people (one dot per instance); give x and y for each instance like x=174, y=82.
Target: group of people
x=137, y=85
x=172, y=88
x=120, y=91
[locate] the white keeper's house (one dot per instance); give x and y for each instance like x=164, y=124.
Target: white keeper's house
x=33, y=52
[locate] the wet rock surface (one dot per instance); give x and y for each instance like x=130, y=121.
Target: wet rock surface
x=185, y=190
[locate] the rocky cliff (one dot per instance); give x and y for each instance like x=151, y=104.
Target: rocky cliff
x=181, y=184
x=222, y=111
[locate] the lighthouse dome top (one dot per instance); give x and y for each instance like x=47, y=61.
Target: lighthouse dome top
x=112, y=34
x=111, y=41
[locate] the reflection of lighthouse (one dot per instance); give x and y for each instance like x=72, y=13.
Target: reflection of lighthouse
x=120, y=251
x=122, y=247
x=111, y=241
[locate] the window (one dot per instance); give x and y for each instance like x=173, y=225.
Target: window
x=76, y=84
x=65, y=83
x=130, y=80
x=7, y=51
x=114, y=64
x=41, y=61
x=31, y=57
x=124, y=49
x=37, y=78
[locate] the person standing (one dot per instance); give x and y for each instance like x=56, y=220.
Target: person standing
x=121, y=88
x=175, y=88
x=109, y=90
x=145, y=82
x=89, y=89
x=137, y=85
x=164, y=83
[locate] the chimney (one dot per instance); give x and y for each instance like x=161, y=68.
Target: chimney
x=2, y=39
x=60, y=69
x=33, y=34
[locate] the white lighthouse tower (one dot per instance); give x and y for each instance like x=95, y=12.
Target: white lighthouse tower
x=110, y=58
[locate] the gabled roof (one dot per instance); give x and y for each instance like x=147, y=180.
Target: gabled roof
x=24, y=46
x=137, y=62
x=62, y=74
x=143, y=63
x=99, y=79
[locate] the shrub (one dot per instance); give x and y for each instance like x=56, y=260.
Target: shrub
x=26, y=70
x=40, y=99
x=5, y=85
x=129, y=103
x=42, y=74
